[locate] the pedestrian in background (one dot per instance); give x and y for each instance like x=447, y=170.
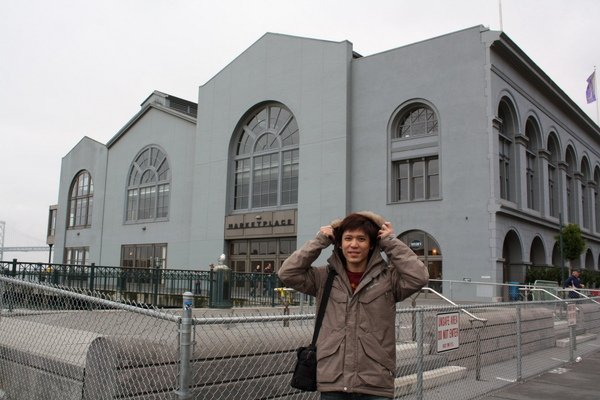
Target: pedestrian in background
x=574, y=281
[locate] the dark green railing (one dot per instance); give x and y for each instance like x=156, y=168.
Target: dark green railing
x=154, y=286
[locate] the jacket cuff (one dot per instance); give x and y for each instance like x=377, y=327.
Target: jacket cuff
x=323, y=239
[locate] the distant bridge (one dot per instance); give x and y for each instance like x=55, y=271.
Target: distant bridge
x=25, y=248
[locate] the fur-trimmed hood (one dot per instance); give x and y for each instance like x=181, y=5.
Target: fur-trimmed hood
x=376, y=218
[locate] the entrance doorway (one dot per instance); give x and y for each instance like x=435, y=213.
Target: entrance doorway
x=428, y=250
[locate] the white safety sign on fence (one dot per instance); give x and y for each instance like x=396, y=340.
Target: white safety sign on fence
x=447, y=331
x=571, y=314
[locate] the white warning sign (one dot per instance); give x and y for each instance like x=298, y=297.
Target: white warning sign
x=447, y=331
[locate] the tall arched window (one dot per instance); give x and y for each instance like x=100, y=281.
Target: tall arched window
x=148, y=186
x=553, y=191
x=532, y=133
x=585, y=193
x=505, y=150
x=266, y=159
x=428, y=250
x=81, y=200
x=414, y=152
x=570, y=186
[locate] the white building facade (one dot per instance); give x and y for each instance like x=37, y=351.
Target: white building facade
x=461, y=141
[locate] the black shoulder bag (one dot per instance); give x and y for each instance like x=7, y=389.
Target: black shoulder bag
x=305, y=372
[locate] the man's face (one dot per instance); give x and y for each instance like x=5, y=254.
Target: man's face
x=576, y=274
x=355, y=246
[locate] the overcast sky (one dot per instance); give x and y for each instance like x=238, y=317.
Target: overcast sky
x=72, y=68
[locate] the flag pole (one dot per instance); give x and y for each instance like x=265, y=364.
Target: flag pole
x=500, y=13
x=596, y=92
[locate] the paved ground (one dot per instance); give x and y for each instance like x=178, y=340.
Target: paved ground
x=575, y=381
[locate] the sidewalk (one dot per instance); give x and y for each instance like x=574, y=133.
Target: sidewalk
x=580, y=381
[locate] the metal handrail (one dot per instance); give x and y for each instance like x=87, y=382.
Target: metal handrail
x=534, y=289
x=579, y=293
x=441, y=296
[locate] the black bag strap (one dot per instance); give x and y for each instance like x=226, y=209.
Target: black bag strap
x=323, y=304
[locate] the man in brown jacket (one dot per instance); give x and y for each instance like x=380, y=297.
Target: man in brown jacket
x=356, y=347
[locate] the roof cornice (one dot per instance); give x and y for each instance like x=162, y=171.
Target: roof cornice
x=141, y=113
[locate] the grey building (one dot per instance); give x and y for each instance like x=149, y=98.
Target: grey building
x=461, y=141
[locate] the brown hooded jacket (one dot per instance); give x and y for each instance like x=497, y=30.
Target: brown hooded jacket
x=356, y=347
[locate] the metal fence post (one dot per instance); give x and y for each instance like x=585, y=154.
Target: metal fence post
x=92, y=276
x=519, y=346
x=156, y=280
x=477, y=330
x=2, y=285
x=572, y=342
x=419, y=331
x=211, y=287
x=14, y=267
x=272, y=286
x=185, y=346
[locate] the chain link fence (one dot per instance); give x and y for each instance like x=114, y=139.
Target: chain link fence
x=65, y=344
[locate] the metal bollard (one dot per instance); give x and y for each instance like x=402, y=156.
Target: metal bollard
x=185, y=347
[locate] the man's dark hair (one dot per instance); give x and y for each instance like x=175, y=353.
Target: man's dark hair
x=352, y=222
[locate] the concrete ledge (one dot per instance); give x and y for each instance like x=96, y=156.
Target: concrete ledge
x=578, y=339
x=408, y=350
x=407, y=384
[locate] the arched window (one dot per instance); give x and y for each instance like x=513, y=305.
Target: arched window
x=415, y=163
x=81, y=200
x=148, y=186
x=585, y=193
x=266, y=160
x=506, y=137
x=570, y=183
x=553, y=191
x=416, y=120
x=532, y=133
x=428, y=250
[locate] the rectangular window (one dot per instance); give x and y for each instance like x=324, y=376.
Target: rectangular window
x=417, y=179
x=287, y=246
x=584, y=206
x=77, y=255
x=52, y=222
x=147, y=202
x=72, y=213
x=531, y=201
x=504, y=168
x=162, y=208
x=144, y=255
x=132, y=201
x=570, y=205
x=433, y=179
x=402, y=181
x=242, y=184
x=552, y=191
x=289, y=179
x=264, y=180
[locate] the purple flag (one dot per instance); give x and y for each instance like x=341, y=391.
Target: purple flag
x=590, y=91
